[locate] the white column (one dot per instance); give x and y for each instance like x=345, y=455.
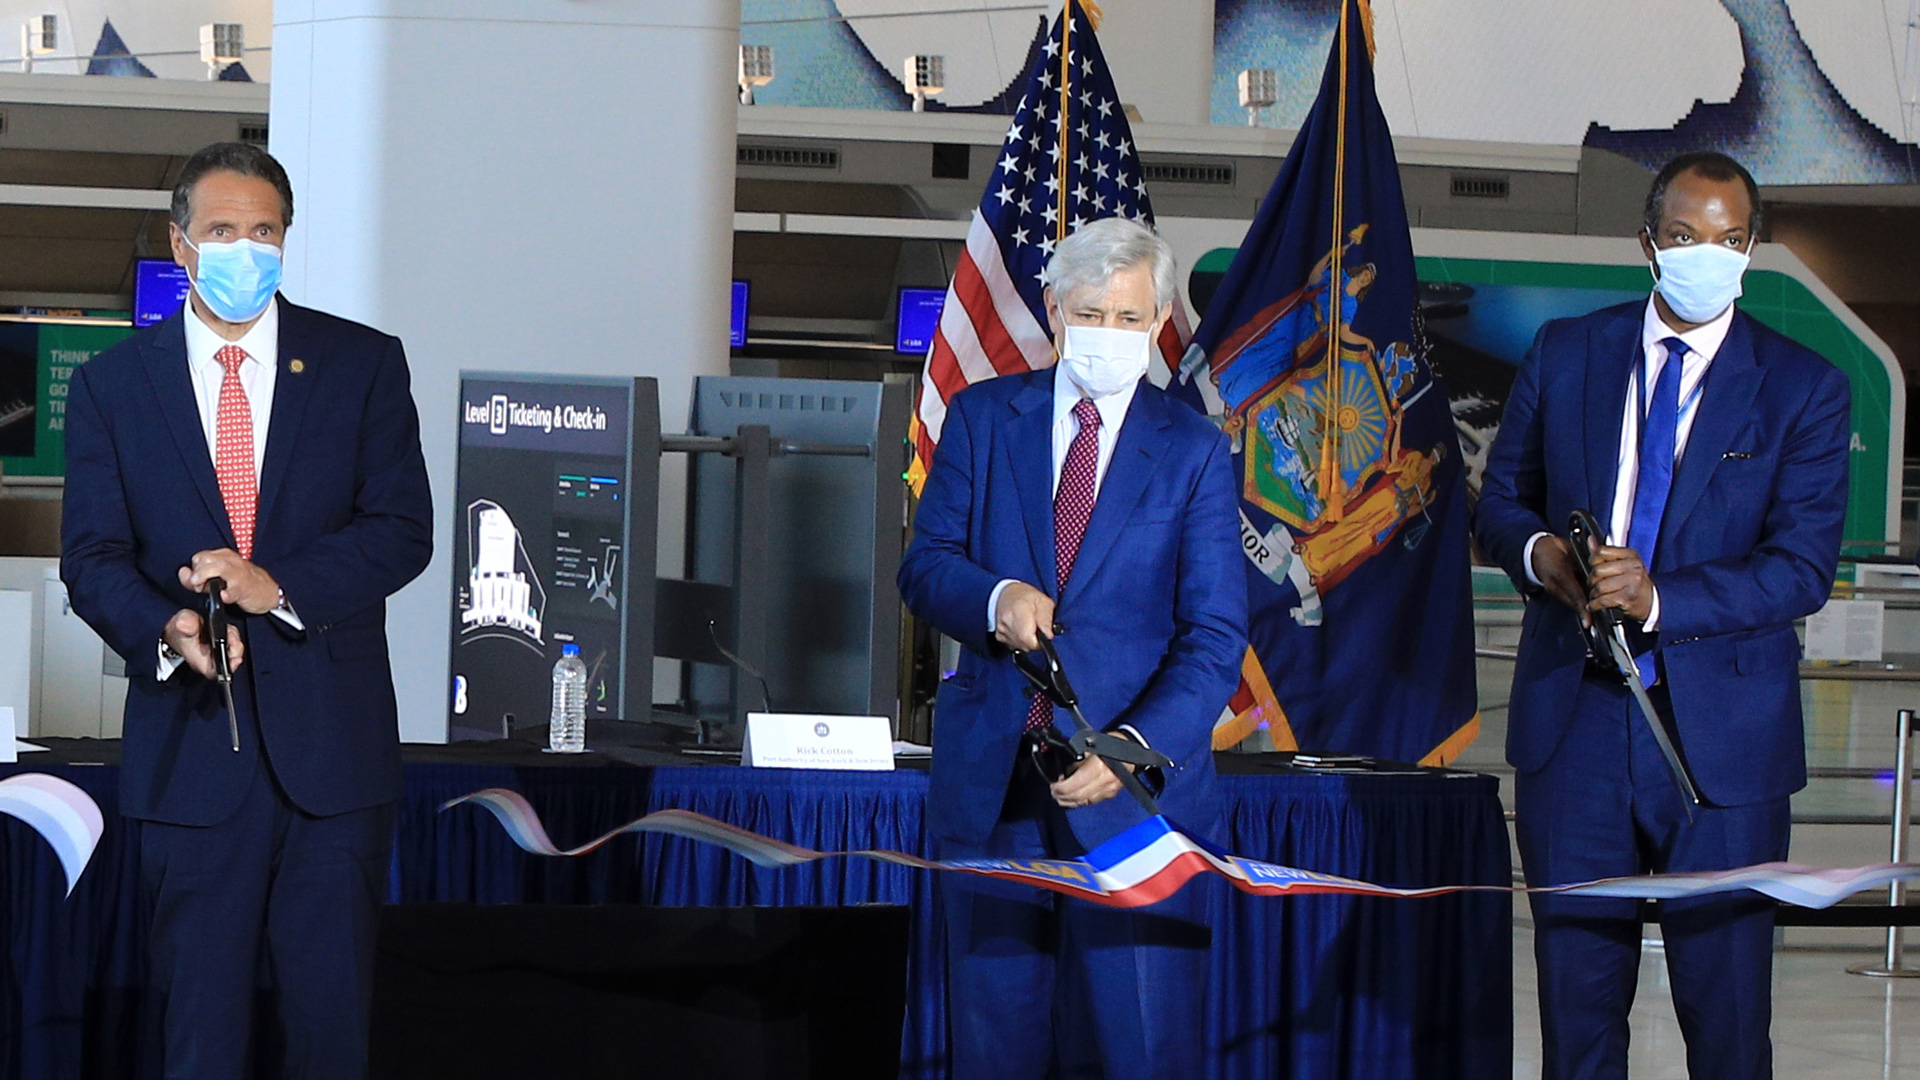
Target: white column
x=510, y=185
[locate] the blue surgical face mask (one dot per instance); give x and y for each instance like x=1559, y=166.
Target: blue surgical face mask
x=237, y=279
x=1699, y=280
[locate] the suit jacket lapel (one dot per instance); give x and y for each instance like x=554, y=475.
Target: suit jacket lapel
x=1143, y=438
x=1029, y=449
x=172, y=383
x=1731, y=383
x=1610, y=362
x=291, y=392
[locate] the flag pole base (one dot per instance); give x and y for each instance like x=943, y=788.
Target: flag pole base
x=1874, y=971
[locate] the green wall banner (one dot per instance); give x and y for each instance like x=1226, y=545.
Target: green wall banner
x=1490, y=308
x=37, y=360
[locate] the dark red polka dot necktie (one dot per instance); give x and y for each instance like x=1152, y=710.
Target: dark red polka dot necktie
x=1072, y=507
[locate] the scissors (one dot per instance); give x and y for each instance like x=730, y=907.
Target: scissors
x=1049, y=678
x=1607, y=641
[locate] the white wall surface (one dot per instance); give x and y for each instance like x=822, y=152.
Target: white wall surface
x=1161, y=51
x=1455, y=69
x=1161, y=56
x=510, y=185
x=164, y=34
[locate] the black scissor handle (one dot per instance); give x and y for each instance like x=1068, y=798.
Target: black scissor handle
x=1046, y=674
x=1118, y=748
x=222, y=659
x=217, y=626
x=1582, y=532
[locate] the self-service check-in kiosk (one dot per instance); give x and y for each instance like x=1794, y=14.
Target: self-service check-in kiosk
x=795, y=519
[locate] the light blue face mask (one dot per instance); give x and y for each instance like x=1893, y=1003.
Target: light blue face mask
x=1699, y=280
x=237, y=279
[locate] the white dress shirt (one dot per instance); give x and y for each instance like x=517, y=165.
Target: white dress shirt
x=1703, y=343
x=1066, y=427
x=258, y=371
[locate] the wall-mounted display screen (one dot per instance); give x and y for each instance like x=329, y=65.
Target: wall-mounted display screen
x=160, y=286
x=737, y=326
x=919, y=317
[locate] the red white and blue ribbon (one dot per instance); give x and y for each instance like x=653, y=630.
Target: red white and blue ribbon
x=64, y=815
x=1152, y=860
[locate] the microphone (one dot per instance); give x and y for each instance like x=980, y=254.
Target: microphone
x=766, y=697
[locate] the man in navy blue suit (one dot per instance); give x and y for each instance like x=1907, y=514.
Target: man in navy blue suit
x=276, y=449
x=1714, y=453
x=1077, y=503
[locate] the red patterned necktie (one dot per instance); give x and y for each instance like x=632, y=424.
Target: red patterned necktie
x=233, y=450
x=1072, y=507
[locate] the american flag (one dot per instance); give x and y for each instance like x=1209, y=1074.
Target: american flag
x=1068, y=159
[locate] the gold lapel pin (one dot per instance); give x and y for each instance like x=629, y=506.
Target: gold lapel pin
x=297, y=366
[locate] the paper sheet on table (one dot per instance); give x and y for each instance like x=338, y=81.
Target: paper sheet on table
x=1847, y=630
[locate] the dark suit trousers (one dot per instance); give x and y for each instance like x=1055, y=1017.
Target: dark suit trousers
x=270, y=891
x=1605, y=805
x=1036, y=979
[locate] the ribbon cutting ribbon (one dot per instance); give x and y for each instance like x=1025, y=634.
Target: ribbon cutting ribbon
x=65, y=816
x=1152, y=860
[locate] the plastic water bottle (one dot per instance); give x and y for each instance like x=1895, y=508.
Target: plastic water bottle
x=567, y=732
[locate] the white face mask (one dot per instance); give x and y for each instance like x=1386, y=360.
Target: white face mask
x=1699, y=280
x=1103, y=361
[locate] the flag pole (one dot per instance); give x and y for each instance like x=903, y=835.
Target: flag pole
x=1330, y=445
x=1066, y=102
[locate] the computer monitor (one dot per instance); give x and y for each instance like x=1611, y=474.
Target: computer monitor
x=160, y=286
x=737, y=333
x=918, y=319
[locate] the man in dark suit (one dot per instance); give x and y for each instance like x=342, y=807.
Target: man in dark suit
x=276, y=449
x=1077, y=501
x=1714, y=453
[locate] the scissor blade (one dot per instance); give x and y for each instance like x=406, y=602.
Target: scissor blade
x=1087, y=740
x=1630, y=673
x=233, y=715
x=1138, y=789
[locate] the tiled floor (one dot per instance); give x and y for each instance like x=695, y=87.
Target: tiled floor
x=1827, y=1023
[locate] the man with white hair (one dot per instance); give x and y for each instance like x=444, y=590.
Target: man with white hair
x=1077, y=503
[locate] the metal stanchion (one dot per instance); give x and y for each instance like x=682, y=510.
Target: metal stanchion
x=1897, y=892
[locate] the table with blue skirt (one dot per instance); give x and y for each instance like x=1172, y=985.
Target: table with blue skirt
x=1320, y=986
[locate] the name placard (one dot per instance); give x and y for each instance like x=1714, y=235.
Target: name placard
x=806, y=741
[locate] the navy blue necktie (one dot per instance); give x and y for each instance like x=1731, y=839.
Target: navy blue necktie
x=1659, y=431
